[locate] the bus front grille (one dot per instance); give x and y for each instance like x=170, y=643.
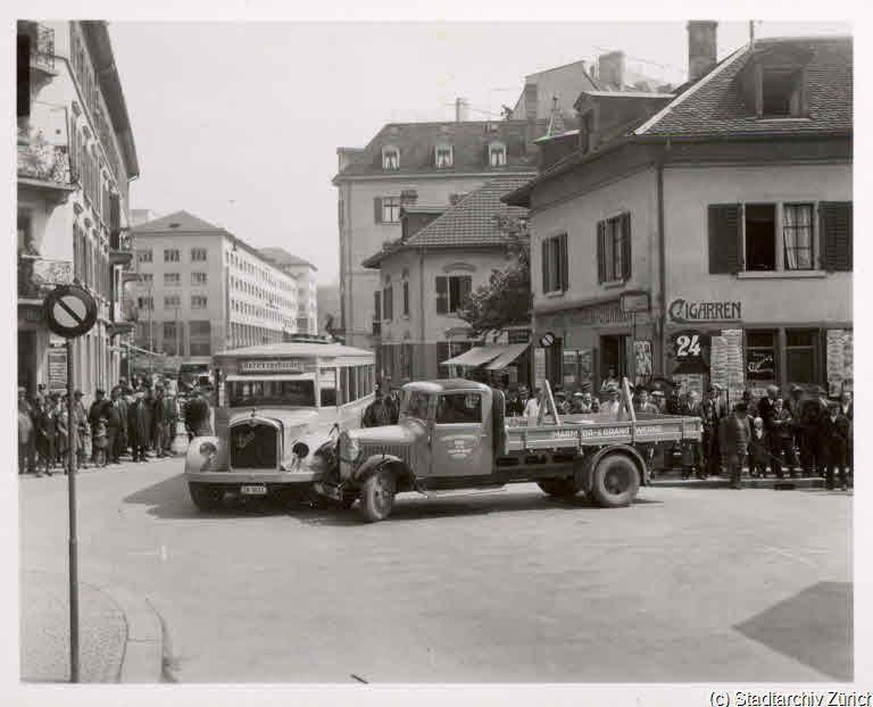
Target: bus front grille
x=254, y=445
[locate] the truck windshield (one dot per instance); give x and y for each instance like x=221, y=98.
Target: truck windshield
x=414, y=404
x=278, y=393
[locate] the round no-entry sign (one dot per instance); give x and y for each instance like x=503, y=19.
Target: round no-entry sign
x=70, y=311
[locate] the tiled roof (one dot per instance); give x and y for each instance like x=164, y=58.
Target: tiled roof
x=469, y=140
x=178, y=222
x=280, y=256
x=468, y=224
x=716, y=105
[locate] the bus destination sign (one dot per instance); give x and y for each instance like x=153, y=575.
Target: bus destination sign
x=259, y=365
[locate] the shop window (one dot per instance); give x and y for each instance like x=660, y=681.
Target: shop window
x=555, y=264
x=801, y=355
x=761, y=355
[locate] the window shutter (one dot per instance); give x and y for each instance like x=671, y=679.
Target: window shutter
x=546, y=284
x=442, y=295
x=565, y=267
x=724, y=238
x=377, y=306
x=601, y=251
x=836, y=235
x=377, y=209
x=626, y=246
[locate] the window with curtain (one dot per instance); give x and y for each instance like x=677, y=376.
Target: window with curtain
x=797, y=236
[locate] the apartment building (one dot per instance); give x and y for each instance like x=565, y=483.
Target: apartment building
x=307, y=287
x=75, y=159
x=201, y=290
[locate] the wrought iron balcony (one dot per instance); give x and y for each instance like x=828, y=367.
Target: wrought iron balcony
x=42, y=45
x=43, y=162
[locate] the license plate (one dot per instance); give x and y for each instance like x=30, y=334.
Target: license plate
x=253, y=490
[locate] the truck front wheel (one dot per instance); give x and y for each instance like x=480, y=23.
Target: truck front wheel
x=615, y=481
x=559, y=488
x=377, y=496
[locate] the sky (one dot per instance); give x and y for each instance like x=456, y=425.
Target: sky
x=238, y=122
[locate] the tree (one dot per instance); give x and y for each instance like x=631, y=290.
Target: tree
x=506, y=299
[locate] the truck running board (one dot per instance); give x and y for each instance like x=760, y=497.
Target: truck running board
x=454, y=493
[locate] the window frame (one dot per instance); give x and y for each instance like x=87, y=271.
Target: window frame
x=614, y=253
x=554, y=253
x=197, y=252
x=448, y=152
x=169, y=256
x=497, y=148
x=389, y=164
x=390, y=206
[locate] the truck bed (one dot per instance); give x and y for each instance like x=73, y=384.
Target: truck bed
x=598, y=429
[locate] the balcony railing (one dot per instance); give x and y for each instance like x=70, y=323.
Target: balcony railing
x=42, y=44
x=41, y=160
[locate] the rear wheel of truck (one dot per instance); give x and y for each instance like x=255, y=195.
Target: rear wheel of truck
x=204, y=497
x=377, y=496
x=615, y=481
x=559, y=488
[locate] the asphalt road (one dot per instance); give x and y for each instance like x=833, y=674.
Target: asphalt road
x=687, y=585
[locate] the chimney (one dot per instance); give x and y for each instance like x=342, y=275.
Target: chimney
x=462, y=110
x=702, y=48
x=530, y=101
x=610, y=70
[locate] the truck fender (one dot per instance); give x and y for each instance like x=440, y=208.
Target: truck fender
x=585, y=469
x=402, y=474
x=200, y=458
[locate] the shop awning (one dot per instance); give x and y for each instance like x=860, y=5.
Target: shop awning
x=510, y=353
x=475, y=356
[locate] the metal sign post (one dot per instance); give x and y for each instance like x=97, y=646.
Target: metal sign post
x=71, y=311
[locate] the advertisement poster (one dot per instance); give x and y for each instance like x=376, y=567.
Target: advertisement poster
x=57, y=369
x=539, y=367
x=642, y=360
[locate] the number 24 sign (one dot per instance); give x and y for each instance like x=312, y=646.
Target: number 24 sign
x=690, y=344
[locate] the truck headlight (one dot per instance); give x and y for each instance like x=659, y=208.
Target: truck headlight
x=351, y=449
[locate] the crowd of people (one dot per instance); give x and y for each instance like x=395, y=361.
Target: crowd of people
x=139, y=419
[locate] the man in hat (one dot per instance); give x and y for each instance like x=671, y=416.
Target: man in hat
x=138, y=426
x=711, y=413
x=795, y=406
x=734, y=434
x=773, y=443
x=612, y=406
x=835, y=430
x=95, y=412
x=26, y=434
x=377, y=413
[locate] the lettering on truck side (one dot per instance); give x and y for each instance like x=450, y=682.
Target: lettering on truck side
x=603, y=432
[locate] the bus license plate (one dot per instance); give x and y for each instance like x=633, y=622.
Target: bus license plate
x=253, y=490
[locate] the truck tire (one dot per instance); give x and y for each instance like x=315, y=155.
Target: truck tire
x=377, y=496
x=615, y=481
x=204, y=497
x=559, y=488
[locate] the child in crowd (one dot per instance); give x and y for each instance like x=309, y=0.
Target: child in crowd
x=758, y=455
x=101, y=442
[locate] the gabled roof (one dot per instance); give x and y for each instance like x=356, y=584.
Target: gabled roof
x=178, y=222
x=716, y=106
x=469, y=140
x=468, y=224
x=280, y=257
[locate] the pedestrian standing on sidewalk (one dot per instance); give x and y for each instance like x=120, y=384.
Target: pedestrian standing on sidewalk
x=115, y=425
x=25, y=433
x=47, y=435
x=711, y=414
x=734, y=436
x=532, y=405
x=122, y=440
x=795, y=406
x=758, y=450
x=95, y=413
x=80, y=430
x=377, y=413
x=847, y=409
x=63, y=431
x=158, y=422
x=783, y=429
x=101, y=442
x=171, y=418
x=835, y=430
x=138, y=427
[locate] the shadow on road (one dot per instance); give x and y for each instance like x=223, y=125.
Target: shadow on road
x=169, y=499
x=814, y=627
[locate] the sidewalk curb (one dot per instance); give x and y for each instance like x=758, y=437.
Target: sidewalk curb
x=143, y=658
x=723, y=483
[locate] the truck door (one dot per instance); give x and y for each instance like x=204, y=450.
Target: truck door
x=461, y=440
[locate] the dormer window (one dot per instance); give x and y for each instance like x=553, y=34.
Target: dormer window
x=390, y=158
x=496, y=154
x=443, y=156
x=781, y=94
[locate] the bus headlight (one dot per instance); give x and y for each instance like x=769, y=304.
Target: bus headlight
x=208, y=450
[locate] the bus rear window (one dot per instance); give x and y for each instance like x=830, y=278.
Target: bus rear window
x=287, y=393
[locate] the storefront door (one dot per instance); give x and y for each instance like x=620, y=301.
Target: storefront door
x=613, y=354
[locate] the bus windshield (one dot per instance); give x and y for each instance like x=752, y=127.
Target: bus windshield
x=271, y=393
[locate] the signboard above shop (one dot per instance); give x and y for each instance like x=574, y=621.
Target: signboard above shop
x=681, y=310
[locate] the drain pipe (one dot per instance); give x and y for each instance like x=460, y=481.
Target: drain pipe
x=662, y=266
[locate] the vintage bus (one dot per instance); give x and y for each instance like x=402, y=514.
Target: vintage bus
x=280, y=410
